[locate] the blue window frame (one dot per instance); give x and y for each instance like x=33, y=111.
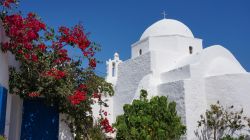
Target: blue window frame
x=3, y=102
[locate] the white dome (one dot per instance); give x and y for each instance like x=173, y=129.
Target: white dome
x=167, y=27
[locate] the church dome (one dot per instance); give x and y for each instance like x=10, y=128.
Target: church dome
x=167, y=27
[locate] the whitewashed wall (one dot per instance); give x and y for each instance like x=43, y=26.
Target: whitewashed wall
x=229, y=89
x=142, y=45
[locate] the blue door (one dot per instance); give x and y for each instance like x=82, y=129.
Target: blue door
x=3, y=101
x=39, y=122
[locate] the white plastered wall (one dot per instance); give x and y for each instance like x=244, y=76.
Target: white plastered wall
x=229, y=89
x=14, y=109
x=195, y=104
x=142, y=45
x=167, y=51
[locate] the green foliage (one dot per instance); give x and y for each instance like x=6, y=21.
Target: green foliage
x=2, y=138
x=154, y=119
x=221, y=123
x=232, y=138
x=96, y=133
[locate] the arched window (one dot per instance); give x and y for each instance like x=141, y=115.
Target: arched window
x=190, y=49
x=113, y=69
x=140, y=52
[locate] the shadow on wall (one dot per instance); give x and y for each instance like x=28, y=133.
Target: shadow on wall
x=64, y=131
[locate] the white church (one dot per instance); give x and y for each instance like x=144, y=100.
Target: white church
x=168, y=60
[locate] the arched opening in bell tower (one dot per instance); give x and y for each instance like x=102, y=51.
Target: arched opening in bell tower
x=113, y=69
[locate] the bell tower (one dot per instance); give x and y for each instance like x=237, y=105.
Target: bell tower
x=112, y=69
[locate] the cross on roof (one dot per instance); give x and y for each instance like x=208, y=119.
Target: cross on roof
x=164, y=14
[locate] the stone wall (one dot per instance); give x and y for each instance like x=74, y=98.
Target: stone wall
x=130, y=74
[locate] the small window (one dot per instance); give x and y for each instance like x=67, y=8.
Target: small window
x=140, y=52
x=190, y=49
x=113, y=69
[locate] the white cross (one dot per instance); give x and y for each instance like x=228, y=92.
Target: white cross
x=164, y=14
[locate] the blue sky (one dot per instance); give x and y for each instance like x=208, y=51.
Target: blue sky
x=116, y=24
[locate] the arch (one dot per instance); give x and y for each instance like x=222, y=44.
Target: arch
x=113, y=69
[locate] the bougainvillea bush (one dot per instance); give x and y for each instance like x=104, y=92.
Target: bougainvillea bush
x=47, y=71
x=154, y=119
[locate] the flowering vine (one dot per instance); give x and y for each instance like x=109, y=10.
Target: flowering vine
x=47, y=71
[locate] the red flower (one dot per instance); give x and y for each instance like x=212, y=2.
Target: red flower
x=85, y=53
x=92, y=63
x=31, y=15
x=82, y=86
x=32, y=35
x=96, y=95
x=42, y=47
x=34, y=57
x=20, y=51
x=62, y=52
x=64, y=30
x=77, y=97
x=55, y=73
x=106, y=126
x=63, y=56
x=22, y=31
x=33, y=94
x=28, y=46
x=60, y=74
x=61, y=60
x=42, y=26
x=76, y=36
x=27, y=56
x=105, y=113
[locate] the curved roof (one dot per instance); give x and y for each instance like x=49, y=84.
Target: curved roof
x=167, y=27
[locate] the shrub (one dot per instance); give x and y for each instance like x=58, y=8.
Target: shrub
x=221, y=123
x=149, y=119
